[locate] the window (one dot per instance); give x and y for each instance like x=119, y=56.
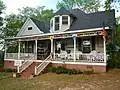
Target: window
x=86, y=45
x=57, y=23
x=51, y=23
x=29, y=28
x=100, y=41
x=64, y=19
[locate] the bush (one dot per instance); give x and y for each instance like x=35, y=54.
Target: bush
x=88, y=72
x=63, y=70
x=8, y=70
x=54, y=69
x=70, y=71
x=79, y=72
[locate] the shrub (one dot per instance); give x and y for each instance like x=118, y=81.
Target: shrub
x=8, y=70
x=88, y=72
x=54, y=69
x=79, y=72
x=74, y=71
x=70, y=71
x=58, y=71
x=63, y=70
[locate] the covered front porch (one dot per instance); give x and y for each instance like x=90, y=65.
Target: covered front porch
x=88, y=47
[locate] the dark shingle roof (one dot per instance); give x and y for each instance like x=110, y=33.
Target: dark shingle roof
x=44, y=27
x=82, y=20
x=93, y=20
x=63, y=11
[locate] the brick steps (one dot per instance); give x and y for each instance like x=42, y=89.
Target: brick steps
x=29, y=72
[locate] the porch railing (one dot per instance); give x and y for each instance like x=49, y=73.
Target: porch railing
x=40, y=67
x=23, y=56
x=26, y=63
x=98, y=57
x=11, y=56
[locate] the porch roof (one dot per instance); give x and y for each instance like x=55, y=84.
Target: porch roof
x=57, y=33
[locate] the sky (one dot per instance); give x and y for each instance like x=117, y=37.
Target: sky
x=13, y=5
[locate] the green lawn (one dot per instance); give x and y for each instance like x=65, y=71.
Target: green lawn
x=50, y=81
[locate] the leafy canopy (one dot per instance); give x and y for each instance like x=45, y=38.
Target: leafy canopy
x=88, y=6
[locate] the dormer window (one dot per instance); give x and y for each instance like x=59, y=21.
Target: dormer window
x=51, y=23
x=29, y=28
x=64, y=19
x=57, y=24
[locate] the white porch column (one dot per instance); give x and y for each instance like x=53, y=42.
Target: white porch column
x=74, y=38
x=54, y=49
x=51, y=44
x=104, y=49
x=36, y=48
x=19, y=50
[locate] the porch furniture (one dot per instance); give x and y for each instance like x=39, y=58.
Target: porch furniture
x=70, y=56
x=63, y=55
x=97, y=57
x=78, y=53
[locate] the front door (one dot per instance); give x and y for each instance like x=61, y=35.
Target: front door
x=86, y=45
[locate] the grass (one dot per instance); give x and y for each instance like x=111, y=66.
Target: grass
x=51, y=81
x=4, y=75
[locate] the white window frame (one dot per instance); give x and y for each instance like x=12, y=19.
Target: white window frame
x=57, y=23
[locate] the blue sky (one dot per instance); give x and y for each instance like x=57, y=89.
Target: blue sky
x=13, y=5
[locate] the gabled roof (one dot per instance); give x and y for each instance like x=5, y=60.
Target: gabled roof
x=44, y=27
x=64, y=11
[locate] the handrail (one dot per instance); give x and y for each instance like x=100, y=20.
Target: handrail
x=29, y=58
x=38, y=69
x=24, y=66
x=44, y=61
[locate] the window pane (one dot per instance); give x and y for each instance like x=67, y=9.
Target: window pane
x=51, y=23
x=64, y=17
x=65, y=20
x=56, y=27
x=29, y=28
x=56, y=19
x=57, y=23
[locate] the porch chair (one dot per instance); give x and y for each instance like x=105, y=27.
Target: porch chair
x=93, y=56
x=63, y=55
x=78, y=53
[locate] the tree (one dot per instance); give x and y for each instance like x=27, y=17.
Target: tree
x=13, y=24
x=38, y=13
x=88, y=6
x=118, y=20
x=112, y=4
x=2, y=8
x=113, y=49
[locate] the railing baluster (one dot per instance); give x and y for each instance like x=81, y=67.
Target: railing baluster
x=42, y=65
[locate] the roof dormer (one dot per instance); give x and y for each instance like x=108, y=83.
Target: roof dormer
x=61, y=21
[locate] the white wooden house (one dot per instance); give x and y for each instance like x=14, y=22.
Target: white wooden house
x=73, y=39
